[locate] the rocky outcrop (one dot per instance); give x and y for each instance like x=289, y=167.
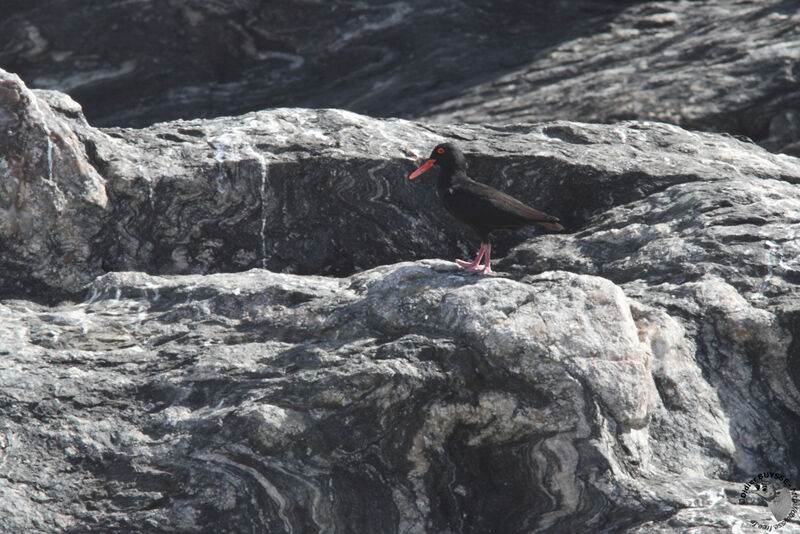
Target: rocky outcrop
x=53, y=200
x=412, y=386
x=408, y=398
x=315, y=191
x=704, y=65
x=208, y=373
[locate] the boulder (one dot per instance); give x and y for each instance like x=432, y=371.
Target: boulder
x=326, y=191
x=409, y=397
x=137, y=64
x=54, y=201
x=723, y=67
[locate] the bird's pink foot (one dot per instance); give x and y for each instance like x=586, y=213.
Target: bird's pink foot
x=470, y=266
x=474, y=266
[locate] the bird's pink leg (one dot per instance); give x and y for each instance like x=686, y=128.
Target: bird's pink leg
x=488, y=268
x=474, y=265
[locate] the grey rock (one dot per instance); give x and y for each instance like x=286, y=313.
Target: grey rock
x=325, y=191
x=136, y=64
x=410, y=397
x=628, y=375
x=716, y=66
x=53, y=201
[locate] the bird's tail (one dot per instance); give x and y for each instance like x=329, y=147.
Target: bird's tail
x=552, y=226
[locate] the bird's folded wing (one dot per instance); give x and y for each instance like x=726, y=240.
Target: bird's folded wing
x=479, y=199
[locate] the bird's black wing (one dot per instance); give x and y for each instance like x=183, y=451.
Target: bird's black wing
x=484, y=207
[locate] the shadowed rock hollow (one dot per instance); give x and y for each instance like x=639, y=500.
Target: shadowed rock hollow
x=630, y=374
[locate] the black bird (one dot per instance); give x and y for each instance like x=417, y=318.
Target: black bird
x=481, y=207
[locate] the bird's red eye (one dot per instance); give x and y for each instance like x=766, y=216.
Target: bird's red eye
x=440, y=150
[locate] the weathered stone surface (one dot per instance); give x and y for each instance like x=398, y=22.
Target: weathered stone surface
x=410, y=397
x=629, y=374
x=136, y=64
x=325, y=191
x=717, y=66
x=52, y=199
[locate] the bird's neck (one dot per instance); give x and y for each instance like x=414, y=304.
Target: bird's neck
x=450, y=175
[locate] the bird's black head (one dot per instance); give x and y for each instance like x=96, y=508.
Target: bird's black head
x=446, y=155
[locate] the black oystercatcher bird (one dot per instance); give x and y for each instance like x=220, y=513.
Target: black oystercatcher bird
x=481, y=207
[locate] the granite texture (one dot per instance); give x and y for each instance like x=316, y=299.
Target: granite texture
x=721, y=66
x=248, y=338
x=135, y=63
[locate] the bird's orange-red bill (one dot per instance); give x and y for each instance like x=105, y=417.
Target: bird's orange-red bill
x=424, y=168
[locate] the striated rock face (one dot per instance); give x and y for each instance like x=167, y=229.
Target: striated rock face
x=136, y=64
x=408, y=398
x=299, y=399
x=52, y=199
x=728, y=67
x=325, y=191
x=714, y=66
x=207, y=373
